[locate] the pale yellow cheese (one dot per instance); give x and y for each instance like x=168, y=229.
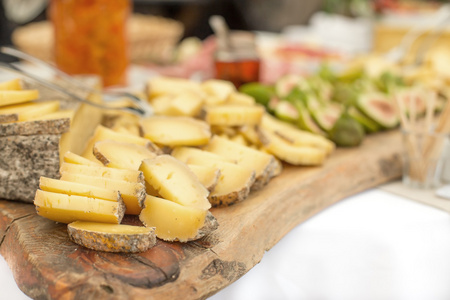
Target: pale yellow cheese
x=172, y=221
x=102, y=134
x=294, y=135
x=174, y=181
x=176, y=131
x=234, y=182
x=13, y=84
x=217, y=91
x=132, y=192
x=234, y=115
x=30, y=111
x=75, y=188
x=60, y=114
x=294, y=154
x=10, y=97
x=66, y=209
x=121, y=155
x=185, y=153
x=162, y=85
x=208, y=176
x=100, y=171
x=244, y=156
x=112, y=237
x=73, y=158
x=240, y=99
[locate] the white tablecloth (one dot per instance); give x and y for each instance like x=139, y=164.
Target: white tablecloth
x=374, y=245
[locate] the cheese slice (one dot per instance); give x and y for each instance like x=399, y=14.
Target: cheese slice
x=176, y=131
x=70, y=157
x=174, y=181
x=132, y=192
x=11, y=85
x=208, y=176
x=100, y=171
x=121, y=155
x=15, y=97
x=184, y=153
x=234, y=115
x=172, y=221
x=244, y=156
x=66, y=209
x=102, y=134
x=234, y=182
x=76, y=188
x=29, y=111
x=112, y=237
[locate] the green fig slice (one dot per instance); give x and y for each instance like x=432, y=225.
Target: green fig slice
x=368, y=124
x=286, y=111
x=305, y=121
x=379, y=108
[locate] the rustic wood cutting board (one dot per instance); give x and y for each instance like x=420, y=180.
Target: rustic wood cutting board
x=47, y=265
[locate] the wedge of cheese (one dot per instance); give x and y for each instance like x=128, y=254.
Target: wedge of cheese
x=69, y=208
x=78, y=189
x=176, y=131
x=217, y=91
x=132, y=193
x=252, y=159
x=162, y=85
x=100, y=171
x=112, y=237
x=174, y=181
x=121, y=155
x=175, y=222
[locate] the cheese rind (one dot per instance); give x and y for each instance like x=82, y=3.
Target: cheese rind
x=112, y=237
x=132, y=192
x=175, y=222
x=174, y=181
x=100, y=171
x=208, y=176
x=176, y=131
x=66, y=209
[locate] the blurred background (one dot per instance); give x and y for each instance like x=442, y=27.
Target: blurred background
x=294, y=36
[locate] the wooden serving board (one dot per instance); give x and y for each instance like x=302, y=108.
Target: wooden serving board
x=47, y=265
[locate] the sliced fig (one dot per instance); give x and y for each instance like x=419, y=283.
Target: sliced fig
x=379, y=108
x=326, y=116
x=368, y=124
x=305, y=121
x=286, y=84
x=286, y=111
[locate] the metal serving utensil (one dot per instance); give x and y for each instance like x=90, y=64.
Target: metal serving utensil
x=140, y=106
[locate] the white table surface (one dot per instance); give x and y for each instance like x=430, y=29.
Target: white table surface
x=374, y=245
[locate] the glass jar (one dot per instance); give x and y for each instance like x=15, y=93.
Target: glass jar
x=238, y=63
x=91, y=38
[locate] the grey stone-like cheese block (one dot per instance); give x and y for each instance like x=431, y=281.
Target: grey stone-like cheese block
x=29, y=150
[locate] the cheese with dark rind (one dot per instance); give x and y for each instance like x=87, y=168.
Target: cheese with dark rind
x=112, y=237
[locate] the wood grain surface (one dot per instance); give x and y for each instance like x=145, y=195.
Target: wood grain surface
x=47, y=265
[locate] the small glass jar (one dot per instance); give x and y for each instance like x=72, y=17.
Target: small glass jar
x=91, y=38
x=238, y=63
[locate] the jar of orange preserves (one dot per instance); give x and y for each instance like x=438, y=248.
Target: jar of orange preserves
x=91, y=38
